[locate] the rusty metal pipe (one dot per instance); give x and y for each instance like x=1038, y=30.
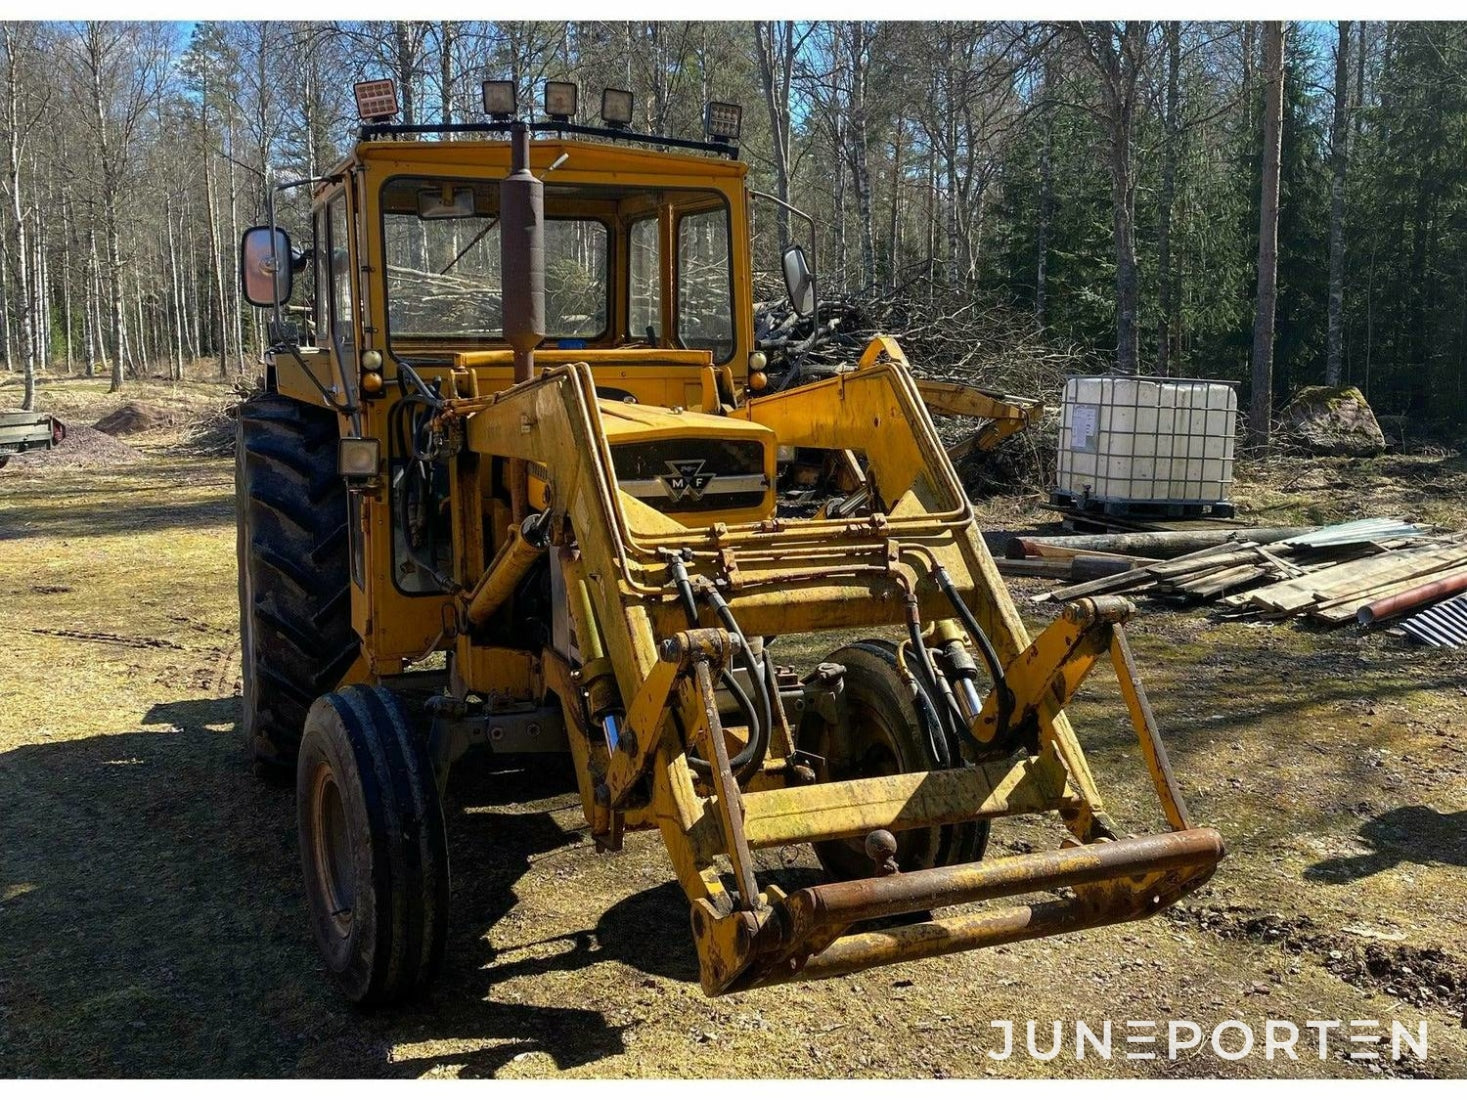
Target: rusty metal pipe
x=1411, y=598
x=868, y=899
x=522, y=255
x=522, y=280
x=952, y=934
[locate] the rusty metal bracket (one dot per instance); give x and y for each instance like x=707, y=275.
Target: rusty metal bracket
x=1144, y=721
x=1049, y=672
x=650, y=706
x=730, y=811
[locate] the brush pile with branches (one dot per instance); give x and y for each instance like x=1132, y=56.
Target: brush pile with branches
x=946, y=336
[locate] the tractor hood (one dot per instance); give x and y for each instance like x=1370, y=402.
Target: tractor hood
x=694, y=467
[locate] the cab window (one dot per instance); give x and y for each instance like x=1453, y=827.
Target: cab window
x=644, y=308
x=339, y=254
x=704, y=283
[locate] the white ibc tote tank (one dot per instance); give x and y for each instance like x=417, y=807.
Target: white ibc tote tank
x=1129, y=440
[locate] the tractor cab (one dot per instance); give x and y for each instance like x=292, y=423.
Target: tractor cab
x=645, y=257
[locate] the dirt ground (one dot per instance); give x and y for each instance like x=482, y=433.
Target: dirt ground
x=152, y=922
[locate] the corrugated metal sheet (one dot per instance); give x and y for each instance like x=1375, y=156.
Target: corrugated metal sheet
x=1358, y=531
x=1443, y=625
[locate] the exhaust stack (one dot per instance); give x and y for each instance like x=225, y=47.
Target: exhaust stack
x=522, y=255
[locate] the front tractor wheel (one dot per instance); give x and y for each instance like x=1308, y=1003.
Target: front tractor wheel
x=373, y=846
x=890, y=729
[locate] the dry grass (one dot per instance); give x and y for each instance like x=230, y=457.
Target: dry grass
x=151, y=923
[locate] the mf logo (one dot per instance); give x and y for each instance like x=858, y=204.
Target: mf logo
x=687, y=480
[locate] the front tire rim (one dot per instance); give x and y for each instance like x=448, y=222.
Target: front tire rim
x=335, y=879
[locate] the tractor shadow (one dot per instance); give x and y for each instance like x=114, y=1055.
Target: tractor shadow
x=152, y=923
x=1405, y=834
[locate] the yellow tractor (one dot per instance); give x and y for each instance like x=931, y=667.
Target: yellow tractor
x=521, y=464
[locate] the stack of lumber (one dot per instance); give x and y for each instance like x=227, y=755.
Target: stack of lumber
x=1365, y=571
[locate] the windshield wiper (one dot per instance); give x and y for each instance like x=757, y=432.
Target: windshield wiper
x=478, y=237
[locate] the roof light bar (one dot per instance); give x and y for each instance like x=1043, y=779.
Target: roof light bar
x=376, y=100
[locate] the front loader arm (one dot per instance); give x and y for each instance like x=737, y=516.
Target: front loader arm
x=1006, y=414
x=641, y=695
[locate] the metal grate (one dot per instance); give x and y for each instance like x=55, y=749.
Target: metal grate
x=1359, y=531
x=1444, y=625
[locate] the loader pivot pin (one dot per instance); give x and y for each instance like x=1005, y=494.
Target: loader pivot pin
x=881, y=848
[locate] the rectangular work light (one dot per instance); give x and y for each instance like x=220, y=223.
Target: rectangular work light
x=376, y=100
x=499, y=98
x=616, y=108
x=560, y=100
x=723, y=121
x=357, y=458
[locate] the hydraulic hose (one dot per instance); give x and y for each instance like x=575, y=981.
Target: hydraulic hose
x=945, y=705
x=761, y=722
x=985, y=646
x=750, y=758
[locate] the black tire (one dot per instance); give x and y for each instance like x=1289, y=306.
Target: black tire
x=892, y=731
x=296, y=637
x=373, y=847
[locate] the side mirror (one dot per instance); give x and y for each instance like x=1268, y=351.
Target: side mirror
x=266, y=266
x=799, y=280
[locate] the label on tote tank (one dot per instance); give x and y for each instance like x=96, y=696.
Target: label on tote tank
x=1084, y=427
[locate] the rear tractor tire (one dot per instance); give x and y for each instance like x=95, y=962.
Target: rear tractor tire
x=891, y=729
x=296, y=637
x=373, y=847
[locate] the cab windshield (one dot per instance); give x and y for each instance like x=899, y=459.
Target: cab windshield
x=442, y=243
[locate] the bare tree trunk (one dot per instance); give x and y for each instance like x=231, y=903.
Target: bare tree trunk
x=1171, y=137
x=175, y=282
x=95, y=350
x=1339, y=152
x=120, y=350
x=19, y=245
x=893, y=226
x=1261, y=411
x=191, y=314
x=144, y=356
x=9, y=341
x=216, y=265
x=1046, y=195
x=68, y=246
x=1359, y=78
x=1117, y=52
x=1123, y=197
x=110, y=187
x=950, y=158
x=775, y=47
x=405, y=43
x=233, y=270
x=860, y=174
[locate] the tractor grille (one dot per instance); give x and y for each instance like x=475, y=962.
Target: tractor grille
x=693, y=475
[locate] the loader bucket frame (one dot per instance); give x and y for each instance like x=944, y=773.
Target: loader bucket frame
x=641, y=699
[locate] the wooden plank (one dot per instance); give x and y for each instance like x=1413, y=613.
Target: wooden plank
x=1132, y=580
x=1215, y=583
x=1345, y=609
x=1355, y=576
